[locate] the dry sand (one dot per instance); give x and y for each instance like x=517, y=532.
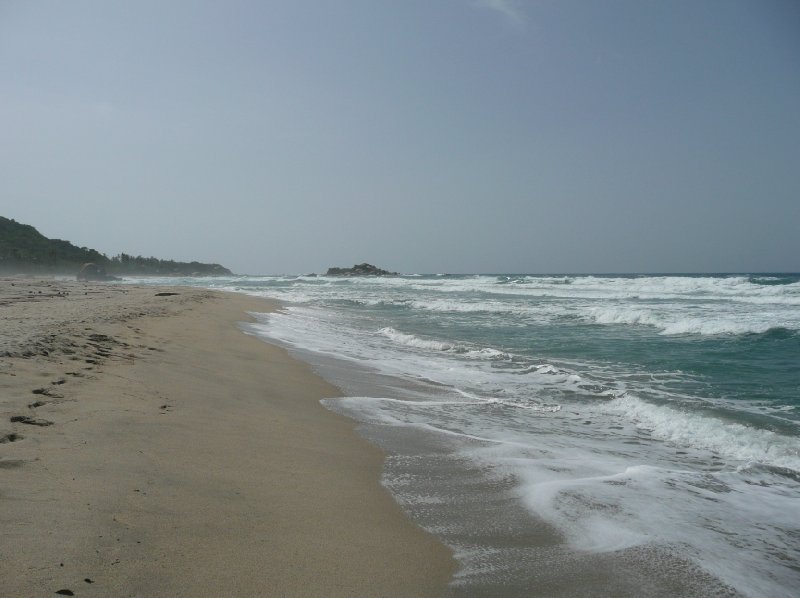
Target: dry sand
x=148, y=447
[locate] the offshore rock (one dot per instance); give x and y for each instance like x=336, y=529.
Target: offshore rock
x=364, y=269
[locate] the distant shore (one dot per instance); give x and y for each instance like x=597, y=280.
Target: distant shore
x=150, y=448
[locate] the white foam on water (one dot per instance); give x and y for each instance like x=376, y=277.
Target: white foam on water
x=528, y=406
x=605, y=501
x=410, y=340
x=606, y=496
x=715, y=288
x=446, y=304
x=486, y=353
x=729, y=439
x=722, y=326
x=672, y=305
x=720, y=520
x=672, y=320
x=402, y=413
x=416, y=342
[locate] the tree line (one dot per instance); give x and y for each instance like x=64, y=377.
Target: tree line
x=23, y=249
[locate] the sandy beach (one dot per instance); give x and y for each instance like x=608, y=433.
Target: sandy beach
x=148, y=447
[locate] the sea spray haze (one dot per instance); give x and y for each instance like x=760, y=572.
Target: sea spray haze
x=640, y=419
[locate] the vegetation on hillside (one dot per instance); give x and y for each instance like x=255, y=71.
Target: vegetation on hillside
x=127, y=264
x=23, y=249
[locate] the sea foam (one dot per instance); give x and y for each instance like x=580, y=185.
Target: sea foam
x=692, y=429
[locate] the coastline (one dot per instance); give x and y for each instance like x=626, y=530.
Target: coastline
x=159, y=450
x=540, y=484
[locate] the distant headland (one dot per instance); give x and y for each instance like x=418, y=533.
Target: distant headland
x=364, y=269
x=24, y=250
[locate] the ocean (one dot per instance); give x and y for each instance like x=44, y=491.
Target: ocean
x=571, y=435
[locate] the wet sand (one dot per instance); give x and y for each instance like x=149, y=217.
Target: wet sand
x=148, y=447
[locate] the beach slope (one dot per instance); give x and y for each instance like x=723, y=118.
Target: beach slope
x=148, y=447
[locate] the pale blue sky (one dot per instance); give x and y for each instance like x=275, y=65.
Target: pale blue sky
x=420, y=135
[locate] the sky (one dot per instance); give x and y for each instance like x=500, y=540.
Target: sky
x=427, y=136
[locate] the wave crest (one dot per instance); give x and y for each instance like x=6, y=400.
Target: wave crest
x=706, y=325
x=409, y=340
x=694, y=429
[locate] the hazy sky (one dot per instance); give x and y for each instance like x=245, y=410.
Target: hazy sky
x=419, y=135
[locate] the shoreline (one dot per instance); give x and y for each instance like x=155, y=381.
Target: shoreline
x=477, y=471
x=500, y=545
x=172, y=454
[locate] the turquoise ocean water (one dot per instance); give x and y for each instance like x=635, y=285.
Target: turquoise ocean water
x=624, y=422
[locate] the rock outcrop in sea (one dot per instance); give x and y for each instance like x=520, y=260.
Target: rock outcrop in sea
x=364, y=269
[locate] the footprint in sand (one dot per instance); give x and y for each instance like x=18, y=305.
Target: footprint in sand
x=11, y=463
x=31, y=421
x=48, y=392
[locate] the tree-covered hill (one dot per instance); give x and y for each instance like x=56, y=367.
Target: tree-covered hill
x=23, y=249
